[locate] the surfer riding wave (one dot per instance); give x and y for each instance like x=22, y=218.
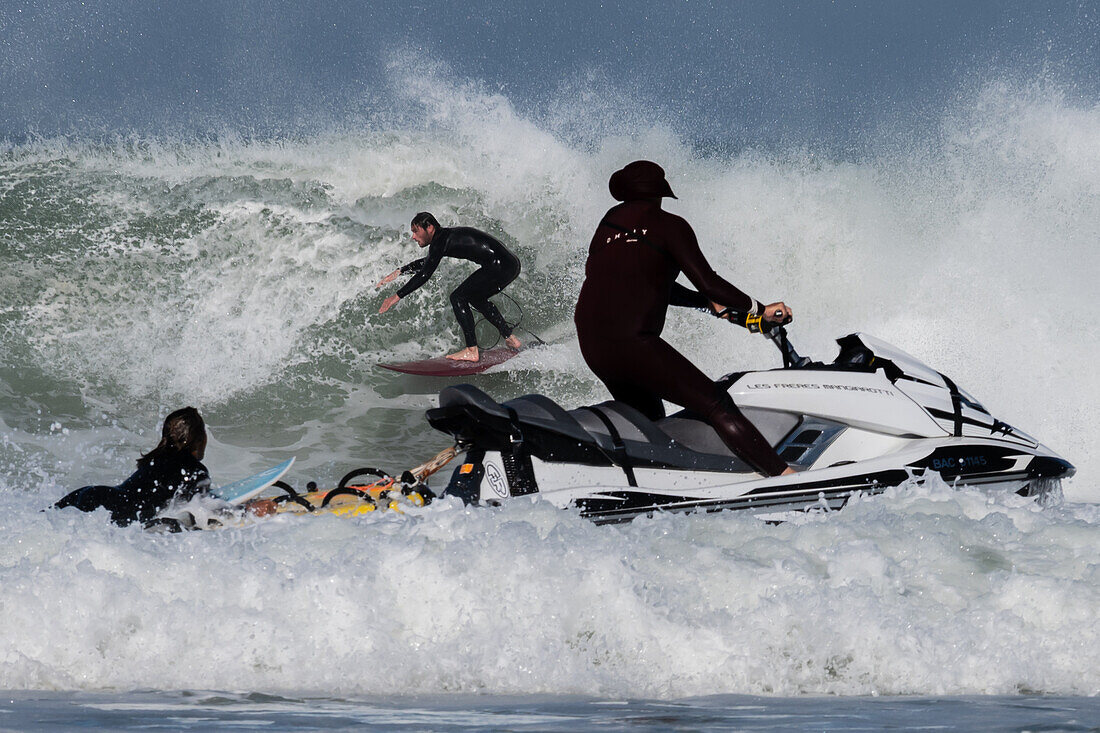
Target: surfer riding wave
x=498, y=267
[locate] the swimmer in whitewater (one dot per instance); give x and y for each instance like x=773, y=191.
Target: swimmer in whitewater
x=497, y=268
x=171, y=472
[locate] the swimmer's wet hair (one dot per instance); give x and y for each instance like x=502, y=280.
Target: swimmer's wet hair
x=183, y=430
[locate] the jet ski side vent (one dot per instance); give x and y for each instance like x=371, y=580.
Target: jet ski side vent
x=808, y=441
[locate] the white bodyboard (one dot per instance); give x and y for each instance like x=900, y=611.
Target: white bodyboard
x=241, y=491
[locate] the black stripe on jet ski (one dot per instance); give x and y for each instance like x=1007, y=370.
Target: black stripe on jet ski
x=616, y=506
x=963, y=460
x=623, y=505
x=963, y=400
x=956, y=406
x=994, y=427
x=951, y=386
x=1050, y=467
x=910, y=378
x=1037, y=467
x=619, y=455
x=836, y=498
x=615, y=503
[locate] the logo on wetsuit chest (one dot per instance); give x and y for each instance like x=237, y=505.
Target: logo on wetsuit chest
x=630, y=237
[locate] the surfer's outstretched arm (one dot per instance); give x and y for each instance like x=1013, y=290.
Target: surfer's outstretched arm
x=424, y=268
x=388, y=303
x=388, y=278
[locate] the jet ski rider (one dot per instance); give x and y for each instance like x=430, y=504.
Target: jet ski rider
x=497, y=268
x=635, y=255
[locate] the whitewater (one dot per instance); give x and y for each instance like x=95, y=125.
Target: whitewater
x=234, y=273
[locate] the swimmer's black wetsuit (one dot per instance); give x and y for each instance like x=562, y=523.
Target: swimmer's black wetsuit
x=633, y=261
x=498, y=267
x=169, y=475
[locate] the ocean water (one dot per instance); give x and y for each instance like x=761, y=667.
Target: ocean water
x=204, y=711
x=233, y=270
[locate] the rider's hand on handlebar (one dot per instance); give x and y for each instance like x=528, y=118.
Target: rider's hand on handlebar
x=778, y=313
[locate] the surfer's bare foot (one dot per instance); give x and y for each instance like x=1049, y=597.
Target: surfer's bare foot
x=513, y=343
x=470, y=353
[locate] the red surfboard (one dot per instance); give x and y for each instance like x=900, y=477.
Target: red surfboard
x=441, y=366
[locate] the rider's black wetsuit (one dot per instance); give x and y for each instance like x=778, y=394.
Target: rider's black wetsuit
x=498, y=267
x=633, y=261
x=169, y=475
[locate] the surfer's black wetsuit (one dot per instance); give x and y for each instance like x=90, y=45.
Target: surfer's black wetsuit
x=498, y=267
x=169, y=475
x=633, y=261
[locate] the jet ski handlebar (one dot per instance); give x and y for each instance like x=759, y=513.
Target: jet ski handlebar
x=791, y=358
x=774, y=331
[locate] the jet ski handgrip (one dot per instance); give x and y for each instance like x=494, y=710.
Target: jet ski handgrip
x=774, y=331
x=752, y=322
x=749, y=321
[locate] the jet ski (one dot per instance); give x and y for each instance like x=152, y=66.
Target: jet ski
x=873, y=418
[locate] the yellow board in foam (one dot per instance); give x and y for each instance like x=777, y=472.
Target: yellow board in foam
x=348, y=505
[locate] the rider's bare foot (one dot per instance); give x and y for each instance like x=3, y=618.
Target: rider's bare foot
x=470, y=353
x=513, y=343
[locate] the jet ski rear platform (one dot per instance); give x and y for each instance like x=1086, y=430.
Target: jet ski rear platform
x=873, y=418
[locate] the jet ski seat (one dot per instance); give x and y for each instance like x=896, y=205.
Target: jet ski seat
x=603, y=434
